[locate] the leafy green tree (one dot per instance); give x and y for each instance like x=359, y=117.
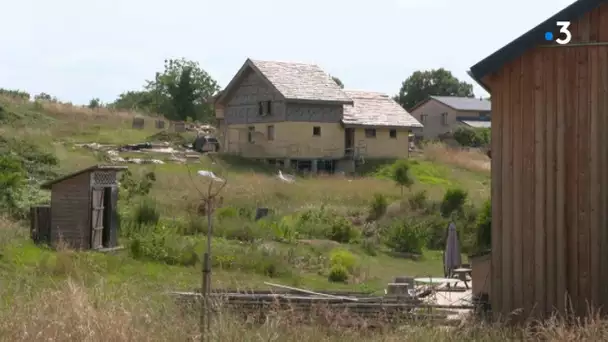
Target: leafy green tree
x=182, y=90
x=400, y=174
x=438, y=82
x=12, y=179
x=94, y=103
x=135, y=100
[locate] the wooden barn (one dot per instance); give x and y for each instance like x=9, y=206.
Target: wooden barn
x=83, y=209
x=550, y=166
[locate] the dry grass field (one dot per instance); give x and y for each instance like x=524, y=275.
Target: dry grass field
x=66, y=295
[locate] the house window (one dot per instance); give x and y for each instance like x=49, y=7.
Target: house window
x=264, y=107
x=316, y=131
x=250, y=134
x=268, y=107
x=444, y=119
x=423, y=118
x=270, y=132
x=370, y=133
x=393, y=133
x=260, y=108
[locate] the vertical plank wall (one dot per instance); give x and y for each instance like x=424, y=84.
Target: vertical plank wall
x=550, y=176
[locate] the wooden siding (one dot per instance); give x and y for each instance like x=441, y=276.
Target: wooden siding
x=549, y=178
x=70, y=211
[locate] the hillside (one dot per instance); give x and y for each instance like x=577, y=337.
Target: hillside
x=357, y=232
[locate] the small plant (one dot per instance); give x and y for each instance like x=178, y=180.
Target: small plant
x=132, y=187
x=453, y=201
x=342, y=230
x=338, y=274
x=146, y=212
x=400, y=173
x=377, y=207
x=343, y=258
x=484, y=227
x=407, y=236
x=418, y=201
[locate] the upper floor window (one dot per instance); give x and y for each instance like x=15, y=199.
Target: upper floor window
x=423, y=118
x=444, y=119
x=264, y=107
x=393, y=133
x=370, y=133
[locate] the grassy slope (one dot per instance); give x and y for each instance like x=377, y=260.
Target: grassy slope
x=57, y=128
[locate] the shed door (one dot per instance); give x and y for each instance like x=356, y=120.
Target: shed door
x=97, y=218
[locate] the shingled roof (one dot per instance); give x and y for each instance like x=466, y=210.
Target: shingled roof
x=295, y=81
x=376, y=109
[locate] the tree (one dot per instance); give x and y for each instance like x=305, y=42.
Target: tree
x=94, y=103
x=338, y=81
x=182, y=90
x=438, y=82
x=400, y=173
x=135, y=100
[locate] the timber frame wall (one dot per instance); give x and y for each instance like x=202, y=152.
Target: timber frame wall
x=550, y=175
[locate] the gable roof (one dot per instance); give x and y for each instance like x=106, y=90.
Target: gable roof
x=459, y=103
x=376, y=109
x=529, y=40
x=464, y=103
x=294, y=81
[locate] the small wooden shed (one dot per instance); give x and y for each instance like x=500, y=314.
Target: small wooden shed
x=550, y=165
x=83, y=211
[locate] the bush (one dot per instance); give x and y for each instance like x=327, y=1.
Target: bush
x=418, y=201
x=407, y=236
x=146, y=212
x=400, y=174
x=377, y=207
x=453, y=201
x=344, y=258
x=338, y=274
x=342, y=230
x=472, y=137
x=484, y=227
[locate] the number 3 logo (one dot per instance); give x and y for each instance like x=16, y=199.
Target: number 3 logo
x=564, y=30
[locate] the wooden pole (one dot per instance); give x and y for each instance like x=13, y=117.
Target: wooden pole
x=205, y=319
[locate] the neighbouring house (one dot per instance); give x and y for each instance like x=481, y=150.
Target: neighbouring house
x=549, y=166
x=442, y=115
x=295, y=115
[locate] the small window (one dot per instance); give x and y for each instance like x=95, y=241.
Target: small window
x=423, y=118
x=268, y=107
x=393, y=133
x=260, y=108
x=270, y=132
x=444, y=119
x=316, y=131
x=250, y=134
x=370, y=133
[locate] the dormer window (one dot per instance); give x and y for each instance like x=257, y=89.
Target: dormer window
x=264, y=108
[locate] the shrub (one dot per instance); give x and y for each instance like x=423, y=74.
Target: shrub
x=377, y=207
x=407, y=236
x=146, y=212
x=472, y=137
x=342, y=230
x=226, y=212
x=343, y=258
x=400, y=174
x=338, y=274
x=418, y=201
x=484, y=227
x=453, y=201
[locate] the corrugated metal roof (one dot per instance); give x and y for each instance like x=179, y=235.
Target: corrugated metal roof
x=477, y=124
x=464, y=103
x=376, y=109
x=299, y=81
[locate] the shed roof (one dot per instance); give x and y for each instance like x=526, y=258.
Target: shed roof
x=477, y=123
x=93, y=168
x=294, y=81
x=530, y=39
x=376, y=109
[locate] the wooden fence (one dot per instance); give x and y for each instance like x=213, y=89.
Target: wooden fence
x=40, y=224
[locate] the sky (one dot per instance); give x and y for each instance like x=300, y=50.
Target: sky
x=78, y=50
